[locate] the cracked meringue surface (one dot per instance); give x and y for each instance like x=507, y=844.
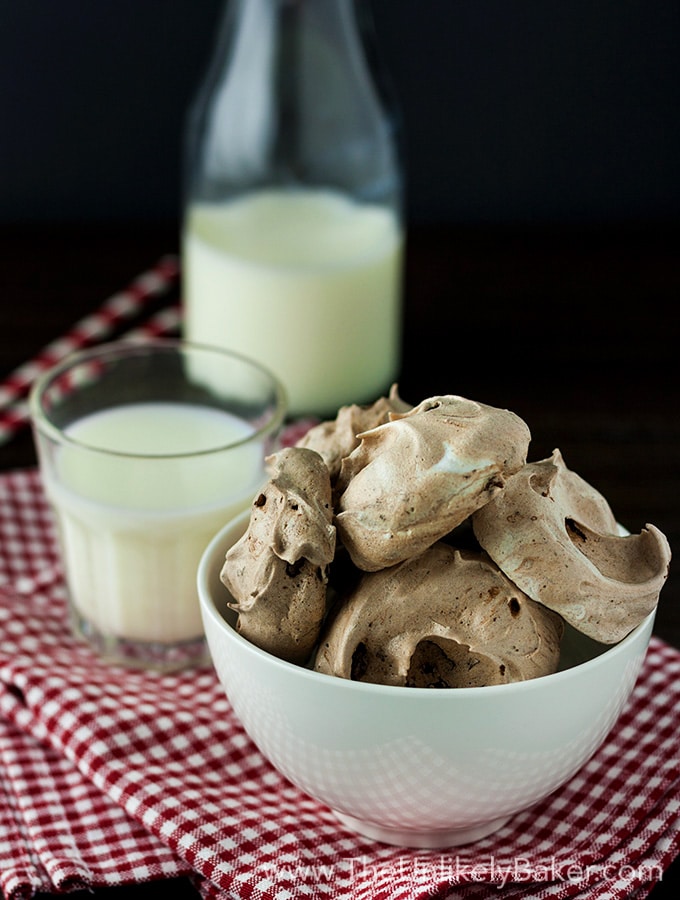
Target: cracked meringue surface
x=337, y=438
x=278, y=571
x=556, y=537
x=446, y=618
x=412, y=480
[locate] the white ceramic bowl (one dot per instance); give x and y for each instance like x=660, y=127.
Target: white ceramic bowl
x=414, y=766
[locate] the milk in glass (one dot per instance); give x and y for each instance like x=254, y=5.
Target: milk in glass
x=139, y=491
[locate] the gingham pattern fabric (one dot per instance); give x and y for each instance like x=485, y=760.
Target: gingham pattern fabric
x=109, y=776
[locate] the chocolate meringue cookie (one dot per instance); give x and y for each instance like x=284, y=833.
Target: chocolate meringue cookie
x=415, y=478
x=337, y=438
x=447, y=618
x=557, y=539
x=278, y=571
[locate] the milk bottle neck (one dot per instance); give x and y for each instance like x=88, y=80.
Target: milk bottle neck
x=294, y=97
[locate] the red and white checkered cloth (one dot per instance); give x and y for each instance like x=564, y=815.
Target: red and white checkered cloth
x=110, y=776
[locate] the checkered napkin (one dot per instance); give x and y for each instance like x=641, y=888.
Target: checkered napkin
x=110, y=776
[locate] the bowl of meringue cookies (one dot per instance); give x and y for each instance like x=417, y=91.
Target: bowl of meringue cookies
x=422, y=629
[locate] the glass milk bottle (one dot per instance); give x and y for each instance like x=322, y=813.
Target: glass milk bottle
x=293, y=223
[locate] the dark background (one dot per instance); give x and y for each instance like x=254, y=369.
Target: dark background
x=515, y=111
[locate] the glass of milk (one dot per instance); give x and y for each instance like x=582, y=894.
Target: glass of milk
x=145, y=451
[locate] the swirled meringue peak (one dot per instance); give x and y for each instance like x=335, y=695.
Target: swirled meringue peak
x=416, y=477
x=278, y=571
x=447, y=618
x=337, y=438
x=557, y=539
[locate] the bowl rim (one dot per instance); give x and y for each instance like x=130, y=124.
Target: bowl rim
x=208, y=607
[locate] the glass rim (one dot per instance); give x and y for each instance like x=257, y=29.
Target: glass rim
x=42, y=423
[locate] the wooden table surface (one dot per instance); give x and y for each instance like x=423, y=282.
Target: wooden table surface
x=575, y=329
